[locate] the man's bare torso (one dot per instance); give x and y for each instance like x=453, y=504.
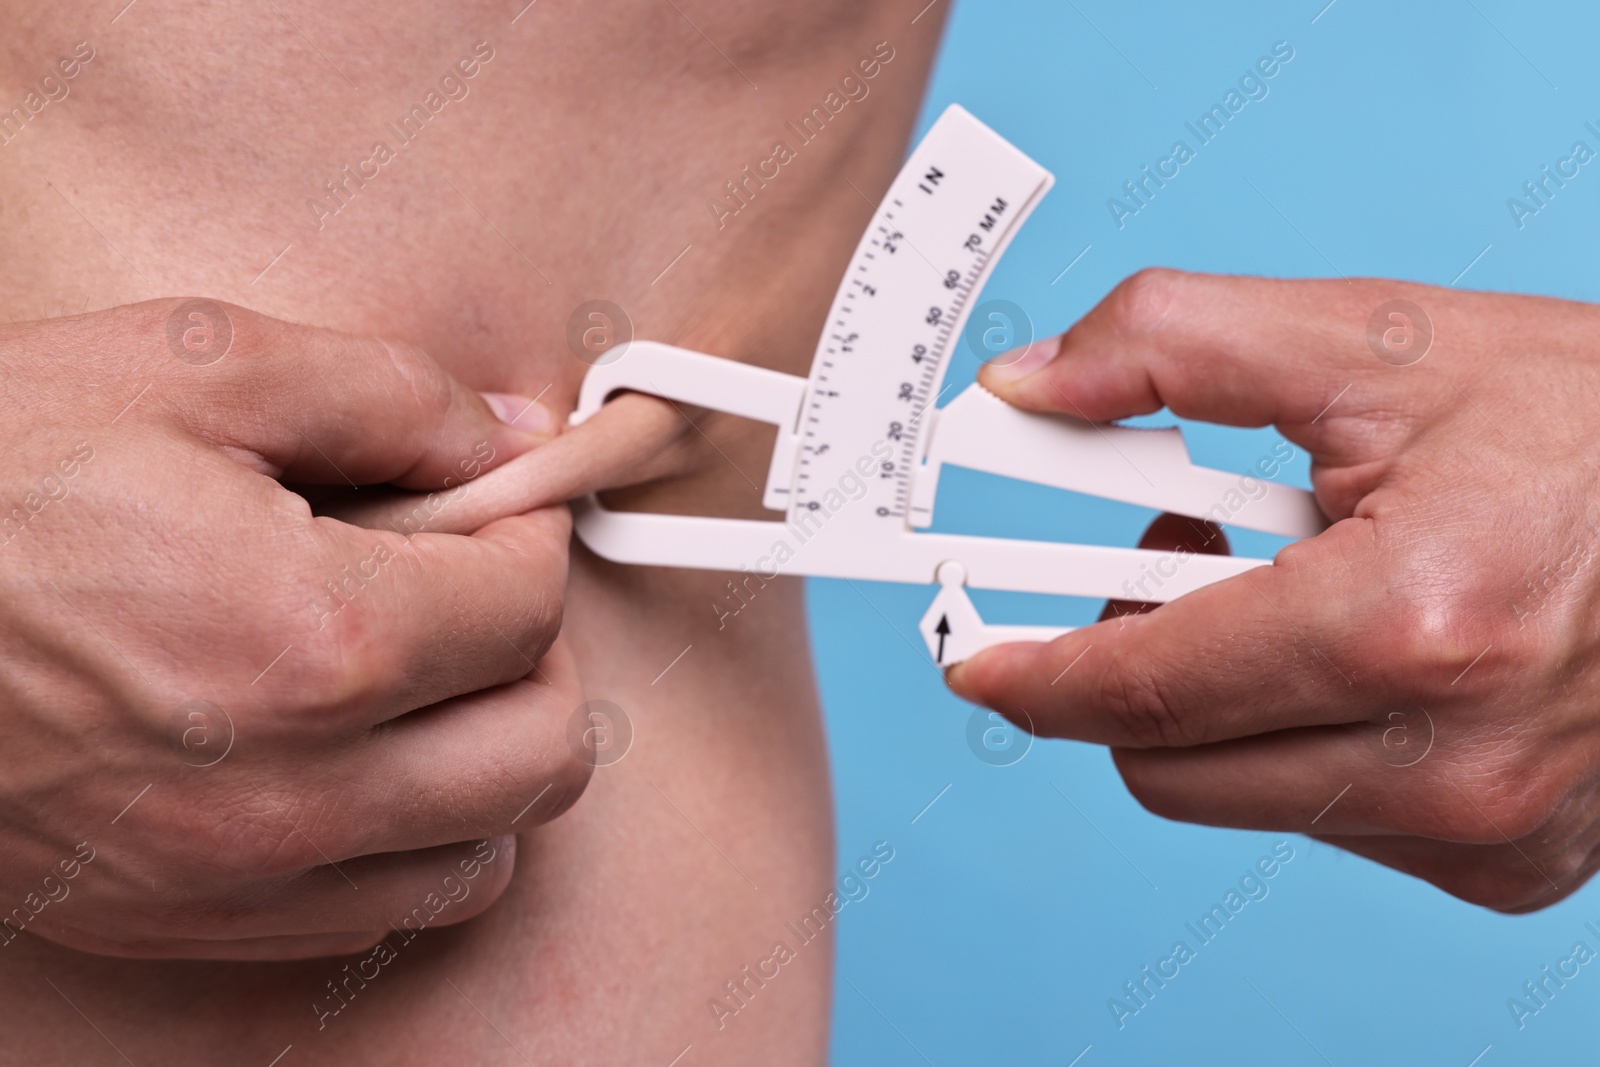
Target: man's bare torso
x=465, y=177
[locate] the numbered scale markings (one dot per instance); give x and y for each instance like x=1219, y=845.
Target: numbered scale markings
x=862, y=441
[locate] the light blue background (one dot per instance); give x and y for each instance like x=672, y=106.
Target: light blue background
x=1012, y=911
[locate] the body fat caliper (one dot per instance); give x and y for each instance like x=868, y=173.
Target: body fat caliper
x=861, y=442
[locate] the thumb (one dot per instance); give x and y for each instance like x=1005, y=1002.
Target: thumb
x=1229, y=350
x=322, y=407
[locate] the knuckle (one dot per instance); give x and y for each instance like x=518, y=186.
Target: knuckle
x=541, y=627
x=1300, y=558
x=539, y=562
x=475, y=897
x=342, y=668
x=529, y=554
x=1141, y=708
x=481, y=876
x=533, y=778
x=1518, y=808
x=181, y=327
x=568, y=778
x=1489, y=807
x=1566, y=868
x=1142, y=302
x=350, y=653
x=1148, y=785
x=155, y=314
x=1435, y=646
x=558, y=771
x=251, y=835
x=422, y=381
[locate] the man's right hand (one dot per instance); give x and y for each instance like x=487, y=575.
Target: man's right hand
x=274, y=734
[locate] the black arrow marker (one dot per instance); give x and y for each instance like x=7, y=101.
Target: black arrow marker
x=943, y=630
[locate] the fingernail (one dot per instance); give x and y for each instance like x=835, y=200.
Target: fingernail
x=523, y=412
x=952, y=677
x=1017, y=364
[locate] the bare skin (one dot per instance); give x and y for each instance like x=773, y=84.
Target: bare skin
x=575, y=162
x=1417, y=683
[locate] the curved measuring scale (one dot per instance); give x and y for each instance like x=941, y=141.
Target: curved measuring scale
x=862, y=441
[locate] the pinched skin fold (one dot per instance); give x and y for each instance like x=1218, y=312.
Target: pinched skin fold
x=219, y=152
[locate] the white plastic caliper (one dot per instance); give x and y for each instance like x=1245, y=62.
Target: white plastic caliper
x=861, y=442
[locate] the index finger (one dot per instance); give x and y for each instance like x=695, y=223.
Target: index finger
x=385, y=623
x=1273, y=648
